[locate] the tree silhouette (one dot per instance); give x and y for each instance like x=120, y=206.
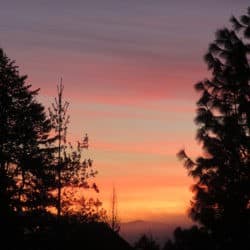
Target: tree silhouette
x=60, y=120
x=193, y=238
x=221, y=199
x=25, y=152
x=114, y=220
x=146, y=242
x=72, y=172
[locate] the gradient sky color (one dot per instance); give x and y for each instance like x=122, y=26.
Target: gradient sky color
x=128, y=68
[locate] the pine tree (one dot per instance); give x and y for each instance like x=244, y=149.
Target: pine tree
x=72, y=171
x=24, y=139
x=60, y=120
x=221, y=201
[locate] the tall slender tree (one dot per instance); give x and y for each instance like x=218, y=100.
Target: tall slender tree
x=221, y=201
x=60, y=121
x=72, y=171
x=114, y=220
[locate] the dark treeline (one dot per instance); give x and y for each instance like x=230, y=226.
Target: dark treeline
x=221, y=201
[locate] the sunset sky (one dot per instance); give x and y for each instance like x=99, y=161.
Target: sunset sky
x=128, y=67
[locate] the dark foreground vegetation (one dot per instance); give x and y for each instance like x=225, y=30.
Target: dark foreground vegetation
x=42, y=232
x=40, y=171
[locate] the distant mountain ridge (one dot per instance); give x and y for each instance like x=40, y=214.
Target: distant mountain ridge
x=160, y=231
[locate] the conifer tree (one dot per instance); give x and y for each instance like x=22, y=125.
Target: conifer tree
x=24, y=144
x=72, y=171
x=221, y=201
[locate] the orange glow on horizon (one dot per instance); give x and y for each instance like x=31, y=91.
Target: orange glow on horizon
x=147, y=197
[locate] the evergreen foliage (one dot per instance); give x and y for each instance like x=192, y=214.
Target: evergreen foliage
x=72, y=171
x=221, y=201
x=25, y=153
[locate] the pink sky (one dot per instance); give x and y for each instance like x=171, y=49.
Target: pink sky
x=128, y=68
